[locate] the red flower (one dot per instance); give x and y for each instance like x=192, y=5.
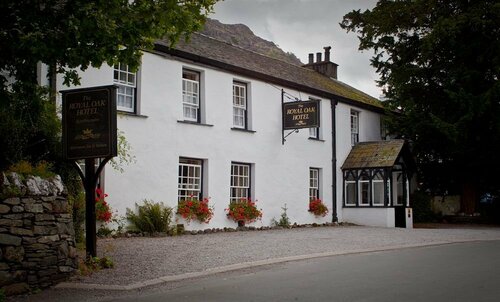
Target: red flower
x=102, y=209
x=317, y=207
x=193, y=208
x=243, y=209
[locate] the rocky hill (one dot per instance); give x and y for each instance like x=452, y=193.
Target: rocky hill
x=240, y=35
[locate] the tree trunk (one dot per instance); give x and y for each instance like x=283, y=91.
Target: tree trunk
x=469, y=198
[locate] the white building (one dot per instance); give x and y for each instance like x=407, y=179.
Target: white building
x=204, y=118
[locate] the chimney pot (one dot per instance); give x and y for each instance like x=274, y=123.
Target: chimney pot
x=318, y=57
x=311, y=58
x=327, y=53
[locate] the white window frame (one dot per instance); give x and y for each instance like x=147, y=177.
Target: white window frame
x=127, y=87
x=398, y=187
x=314, y=183
x=240, y=181
x=362, y=182
x=190, y=183
x=352, y=183
x=314, y=133
x=354, y=127
x=380, y=183
x=191, y=95
x=240, y=105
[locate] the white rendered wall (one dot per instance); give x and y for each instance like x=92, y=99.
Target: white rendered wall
x=369, y=130
x=280, y=173
x=381, y=217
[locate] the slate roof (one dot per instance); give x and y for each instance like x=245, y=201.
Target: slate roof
x=380, y=154
x=207, y=50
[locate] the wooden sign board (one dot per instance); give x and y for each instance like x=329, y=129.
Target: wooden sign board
x=302, y=114
x=89, y=123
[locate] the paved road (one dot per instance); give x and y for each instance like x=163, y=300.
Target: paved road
x=452, y=272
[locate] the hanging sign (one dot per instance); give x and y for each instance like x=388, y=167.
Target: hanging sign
x=302, y=114
x=89, y=122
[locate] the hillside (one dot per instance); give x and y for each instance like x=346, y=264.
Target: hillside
x=240, y=35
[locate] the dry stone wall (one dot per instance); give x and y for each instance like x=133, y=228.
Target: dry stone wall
x=37, y=246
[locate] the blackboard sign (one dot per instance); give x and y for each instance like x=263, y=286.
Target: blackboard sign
x=302, y=114
x=89, y=122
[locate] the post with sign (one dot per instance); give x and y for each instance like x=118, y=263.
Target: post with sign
x=89, y=133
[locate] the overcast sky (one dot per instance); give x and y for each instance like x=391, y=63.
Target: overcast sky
x=306, y=26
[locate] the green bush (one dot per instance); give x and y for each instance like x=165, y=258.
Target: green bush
x=421, y=204
x=150, y=218
x=42, y=169
x=77, y=204
x=284, y=219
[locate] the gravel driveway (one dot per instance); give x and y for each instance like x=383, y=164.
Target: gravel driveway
x=140, y=259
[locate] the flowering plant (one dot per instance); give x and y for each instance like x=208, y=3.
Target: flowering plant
x=192, y=208
x=317, y=207
x=243, y=210
x=102, y=209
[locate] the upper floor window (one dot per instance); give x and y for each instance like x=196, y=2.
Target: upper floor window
x=354, y=127
x=240, y=105
x=314, y=133
x=240, y=181
x=191, y=95
x=313, y=183
x=127, y=87
x=190, y=178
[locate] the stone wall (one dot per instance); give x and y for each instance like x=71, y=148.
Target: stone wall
x=37, y=246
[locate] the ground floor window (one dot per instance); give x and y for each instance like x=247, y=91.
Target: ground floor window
x=190, y=178
x=378, y=189
x=364, y=187
x=240, y=181
x=350, y=189
x=398, y=188
x=313, y=183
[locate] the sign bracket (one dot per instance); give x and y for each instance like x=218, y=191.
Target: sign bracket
x=89, y=180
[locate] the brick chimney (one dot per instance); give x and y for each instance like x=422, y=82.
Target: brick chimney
x=325, y=67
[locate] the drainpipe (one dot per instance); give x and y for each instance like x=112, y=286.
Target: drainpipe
x=333, y=104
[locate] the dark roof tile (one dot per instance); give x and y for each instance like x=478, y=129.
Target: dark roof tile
x=202, y=46
x=380, y=154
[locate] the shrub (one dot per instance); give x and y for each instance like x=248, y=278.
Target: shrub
x=193, y=208
x=150, y=218
x=77, y=203
x=284, y=220
x=243, y=210
x=317, y=207
x=42, y=169
x=421, y=203
x=94, y=264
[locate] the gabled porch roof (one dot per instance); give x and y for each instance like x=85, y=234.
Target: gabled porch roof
x=379, y=154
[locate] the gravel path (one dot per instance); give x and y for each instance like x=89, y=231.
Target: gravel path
x=141, y=259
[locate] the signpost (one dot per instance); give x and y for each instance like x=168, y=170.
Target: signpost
x=299, y=115
x=89, y=132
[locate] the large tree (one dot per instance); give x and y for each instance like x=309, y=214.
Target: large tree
x=439, y=65
x=69, y=35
